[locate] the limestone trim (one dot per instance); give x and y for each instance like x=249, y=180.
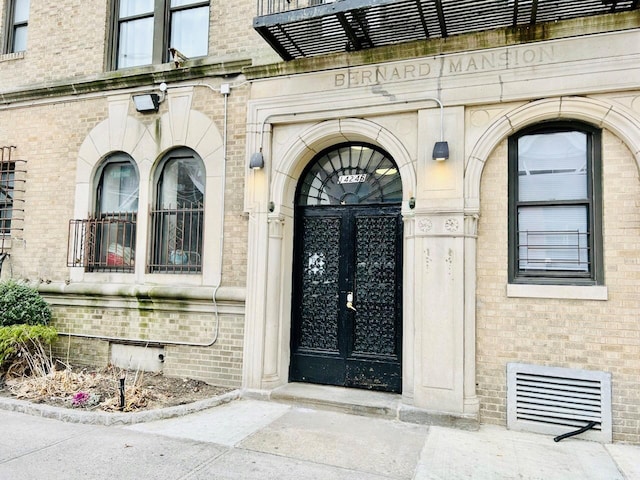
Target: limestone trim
x=325, y=134
x=567, y=292
x=269, y=277
x=178, y=126
x=623, y=122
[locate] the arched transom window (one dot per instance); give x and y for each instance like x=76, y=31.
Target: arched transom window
x=350, y=174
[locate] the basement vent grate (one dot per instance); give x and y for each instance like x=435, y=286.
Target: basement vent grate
x=554, y=400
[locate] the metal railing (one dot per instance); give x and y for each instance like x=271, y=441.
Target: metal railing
x=12, y=179
x=553, y=250
x=177, y=239
x=268, y=7
x=104, y=243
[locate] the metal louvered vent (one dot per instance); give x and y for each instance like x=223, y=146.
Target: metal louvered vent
x=555, y=400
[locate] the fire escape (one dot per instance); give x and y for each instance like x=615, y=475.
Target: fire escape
x=307, y=28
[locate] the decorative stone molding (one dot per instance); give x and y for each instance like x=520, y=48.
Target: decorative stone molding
x=276, y=225
x=323, y=134
x=441, y=225
x=425, y=225
x=471, y=225
x=451, y=225
x=623, y=122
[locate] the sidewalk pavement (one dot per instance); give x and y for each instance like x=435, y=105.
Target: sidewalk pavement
x=250, y=438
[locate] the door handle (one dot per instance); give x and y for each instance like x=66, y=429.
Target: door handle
x=350, y=301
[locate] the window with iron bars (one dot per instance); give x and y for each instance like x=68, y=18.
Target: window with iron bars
x=103, y=243
x=177, y=220
x=178, y=239
x=12, y=176
x=7, y=178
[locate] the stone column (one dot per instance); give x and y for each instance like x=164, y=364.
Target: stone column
x=273, y=300
x=439, y=336
x=471, y=402
x=408, y=330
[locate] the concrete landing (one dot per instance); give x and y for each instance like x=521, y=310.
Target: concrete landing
x=346, y=400
x=365, y=402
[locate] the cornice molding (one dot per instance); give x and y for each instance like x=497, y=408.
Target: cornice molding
x=123, y=79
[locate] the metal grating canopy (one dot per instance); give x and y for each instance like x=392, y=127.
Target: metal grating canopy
x=558, y=400
x=305, y=28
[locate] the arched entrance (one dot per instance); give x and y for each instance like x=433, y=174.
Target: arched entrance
x=347, y=272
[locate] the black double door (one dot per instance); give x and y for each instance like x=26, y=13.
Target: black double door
x=347, y=297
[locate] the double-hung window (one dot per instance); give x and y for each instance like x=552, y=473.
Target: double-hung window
x=554, y=205
x=145, y=30
x=17, y=22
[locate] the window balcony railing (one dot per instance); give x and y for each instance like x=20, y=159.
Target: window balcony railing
x=104, y=243
x=566, y=250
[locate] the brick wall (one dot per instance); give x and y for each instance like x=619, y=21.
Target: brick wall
x=593, y=335
x=219, y=364
x=66, y=41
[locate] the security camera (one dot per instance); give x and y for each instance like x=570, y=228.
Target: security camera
x=177, y=57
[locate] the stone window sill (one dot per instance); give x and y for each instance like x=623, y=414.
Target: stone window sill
x=568, y=292
x=5, y=57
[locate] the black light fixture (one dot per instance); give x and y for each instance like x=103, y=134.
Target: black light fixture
x=257, y=160
x=441, y=151
x=147, y=102
x=441, y=148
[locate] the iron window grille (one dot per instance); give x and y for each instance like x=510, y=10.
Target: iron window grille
x=105, y=243
x=177, y=245
x=12, y=179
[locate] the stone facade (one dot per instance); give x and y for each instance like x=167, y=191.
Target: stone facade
x=463, y=322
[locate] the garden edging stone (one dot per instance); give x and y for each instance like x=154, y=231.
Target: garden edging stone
x=105, y=418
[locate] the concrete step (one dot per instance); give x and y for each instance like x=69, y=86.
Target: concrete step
x=347, y=400
x=365, y=402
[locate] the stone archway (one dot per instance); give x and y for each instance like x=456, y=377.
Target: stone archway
x=624, y=123
x=270, y=259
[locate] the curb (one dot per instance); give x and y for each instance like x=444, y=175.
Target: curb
x=107, y=419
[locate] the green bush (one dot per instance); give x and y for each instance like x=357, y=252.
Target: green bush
x=20, y=303
x=23, y=349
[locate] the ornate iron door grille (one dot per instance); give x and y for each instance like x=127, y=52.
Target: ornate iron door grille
x=347, y=295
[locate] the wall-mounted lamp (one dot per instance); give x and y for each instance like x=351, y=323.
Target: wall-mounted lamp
x=257, y=160
x=147, y=102
x=441, y=148
x=440, y=151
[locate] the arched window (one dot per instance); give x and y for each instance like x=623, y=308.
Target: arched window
x=555, y=211
x=177, y=218
x=351, y=173
x=113, y=228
